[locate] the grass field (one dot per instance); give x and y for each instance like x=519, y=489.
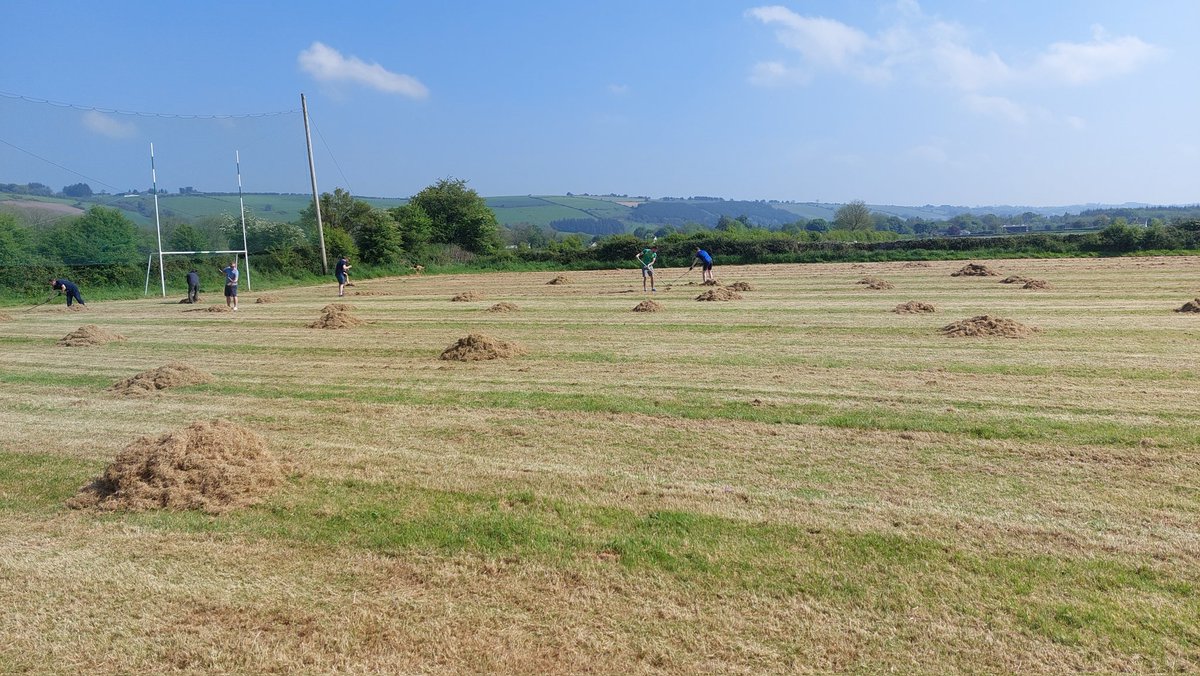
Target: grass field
x=798, y=481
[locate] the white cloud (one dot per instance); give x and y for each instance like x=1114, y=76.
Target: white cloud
x=618, y=89
x=821, y=41
x=774, y=73
x=1083, y=63
x=109, y=126
x=932, y=51
x=327, y=64
x=997, y=106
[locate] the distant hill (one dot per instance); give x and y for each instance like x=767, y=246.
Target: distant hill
x=585, y=214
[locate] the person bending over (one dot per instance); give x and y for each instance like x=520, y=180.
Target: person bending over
x=68, y=287
x=706, y=261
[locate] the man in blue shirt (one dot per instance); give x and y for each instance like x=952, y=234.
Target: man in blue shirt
x=68, y=287
x=342, y=272
x=231, y=282
x=193, y=282
x=702, y=256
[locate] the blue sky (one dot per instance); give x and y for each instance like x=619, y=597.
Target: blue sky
x=973, y=102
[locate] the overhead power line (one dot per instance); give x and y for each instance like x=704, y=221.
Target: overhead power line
x=138, y=113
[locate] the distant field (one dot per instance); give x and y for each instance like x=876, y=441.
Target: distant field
x=801, y=480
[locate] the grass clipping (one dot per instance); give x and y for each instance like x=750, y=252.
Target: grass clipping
x=913, y=307
x=1037, y=284
x=740, y=286
x=975, y=270
x=172, y=374
x=1190, y=306
x=336, y=316
x=722, y=293
x=987, y=326
x=467, y=297
x=504, y=306
x=88, y=335
x=212, y=466
x=876, y=283
x=647, y=306
x=481, y=347
x=561, y=279
x=267, y=298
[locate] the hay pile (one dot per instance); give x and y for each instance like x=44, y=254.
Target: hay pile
x=916, y=264
x=336, y=316
x=369, y=292
x=975, y=270
x=722, y=293
x=267, y=298
x=466, y=297
x=1014, y=279
x=647, y=306
x=709, y=282
x=985, y=326
x=172, y=374
x=88, y=335
x=561, y=279
x=504, y=307
x=1190, y=306
x=480, y=347
x=210, y=466
x=210, y=308
x=880, y=285
x=1037, y=284
x=740, y=286
x=913, y=307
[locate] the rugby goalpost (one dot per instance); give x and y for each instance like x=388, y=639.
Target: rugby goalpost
x=244, y=251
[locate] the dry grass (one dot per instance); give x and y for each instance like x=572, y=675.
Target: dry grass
x=843, y=489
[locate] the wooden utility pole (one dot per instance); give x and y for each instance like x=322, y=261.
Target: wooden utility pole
x=312, y=173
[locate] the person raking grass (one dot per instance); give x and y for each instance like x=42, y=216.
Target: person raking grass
x=68, y=287
x=342, y=272
x=702, y=256
x=231, y=284
x=648, y=257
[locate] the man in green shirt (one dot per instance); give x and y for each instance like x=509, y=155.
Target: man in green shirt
x=647, y=258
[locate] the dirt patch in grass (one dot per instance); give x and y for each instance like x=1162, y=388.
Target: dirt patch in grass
x=212, y=466
x=648, y=306
x=336, y=316
x=722, y=293
x=467, y=297
x=88, y=335
x=1037, y=284
x=481, y=347
x=267, y=298
x=740, y=286
x=504, y=307
x=172, y=374
x=1014, y=279
x=913, y=307
x=1190, y=306
x=975, y=270
x=210, y=308
x=987, y=326
x=561, y=279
